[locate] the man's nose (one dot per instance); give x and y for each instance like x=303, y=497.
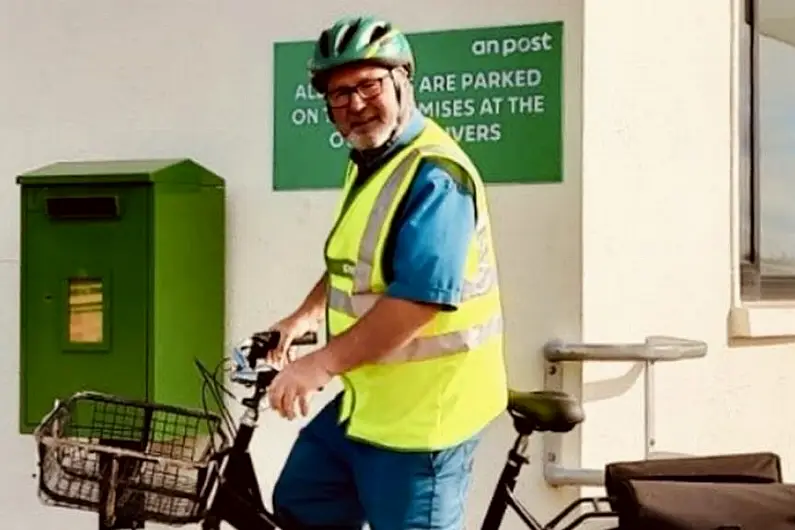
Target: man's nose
x=356, y=102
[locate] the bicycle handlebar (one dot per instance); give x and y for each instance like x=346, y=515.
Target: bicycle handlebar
x=264, y=342
x=248, y=374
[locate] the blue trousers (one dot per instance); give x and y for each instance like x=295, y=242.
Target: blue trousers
x=332, y=482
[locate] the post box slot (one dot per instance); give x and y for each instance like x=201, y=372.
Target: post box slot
x=82, y=207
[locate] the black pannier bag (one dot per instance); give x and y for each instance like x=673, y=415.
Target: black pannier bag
x=668, y=505
x=742, y=468
x=722, y=492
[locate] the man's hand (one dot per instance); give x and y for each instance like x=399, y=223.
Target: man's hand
x=289, y=329
x=390, y=324
x=306, y=318
x=296, y=382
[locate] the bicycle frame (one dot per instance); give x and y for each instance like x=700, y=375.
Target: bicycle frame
x=504, y=497
x=237, y=499
x=234, y=495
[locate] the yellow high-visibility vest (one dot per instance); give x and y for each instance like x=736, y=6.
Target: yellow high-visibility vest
x=449, y=382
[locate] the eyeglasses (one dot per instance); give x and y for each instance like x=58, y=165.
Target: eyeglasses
x=367, y=89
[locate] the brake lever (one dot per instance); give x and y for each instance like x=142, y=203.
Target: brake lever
x=246, y=378
x=271, y=338
x=264, y=342
x=246, y=371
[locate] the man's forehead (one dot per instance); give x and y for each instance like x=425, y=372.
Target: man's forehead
x=350, y=75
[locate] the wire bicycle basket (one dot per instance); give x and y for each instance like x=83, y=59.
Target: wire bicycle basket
x=129, y=460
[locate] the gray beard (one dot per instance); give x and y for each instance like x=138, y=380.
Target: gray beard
x=363, y=142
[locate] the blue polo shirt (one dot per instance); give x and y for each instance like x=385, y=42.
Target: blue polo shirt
x=427, y=245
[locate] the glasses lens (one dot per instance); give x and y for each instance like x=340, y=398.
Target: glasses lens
x=370, y=89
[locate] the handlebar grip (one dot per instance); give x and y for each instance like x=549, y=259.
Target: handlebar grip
x=266, y=341
x=308, y=338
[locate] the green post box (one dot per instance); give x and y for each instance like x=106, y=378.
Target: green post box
x=122, y=281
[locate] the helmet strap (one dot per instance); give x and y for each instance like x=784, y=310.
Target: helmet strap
x=404, y=111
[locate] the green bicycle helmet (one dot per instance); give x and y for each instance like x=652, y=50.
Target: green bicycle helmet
x=359, y=39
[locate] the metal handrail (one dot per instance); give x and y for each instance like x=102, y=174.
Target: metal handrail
x=656, y=348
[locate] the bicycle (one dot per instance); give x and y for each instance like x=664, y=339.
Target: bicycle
x=135, y=462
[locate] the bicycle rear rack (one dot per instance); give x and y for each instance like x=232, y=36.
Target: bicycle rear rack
x=654, y=349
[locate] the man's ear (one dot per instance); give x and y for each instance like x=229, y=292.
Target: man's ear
x=402, y=73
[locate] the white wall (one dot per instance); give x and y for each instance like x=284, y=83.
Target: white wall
x=635, y=241
x=112, y=79
x=657, y=257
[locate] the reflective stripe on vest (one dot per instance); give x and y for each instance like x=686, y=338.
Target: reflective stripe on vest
x=421, y=347
x=357, y=304
x=366, y=256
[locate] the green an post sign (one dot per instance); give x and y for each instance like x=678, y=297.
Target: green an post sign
x=497, y=90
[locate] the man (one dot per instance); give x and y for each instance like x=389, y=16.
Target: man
x=411, y=303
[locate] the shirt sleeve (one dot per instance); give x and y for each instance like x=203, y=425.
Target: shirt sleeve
x=432, y=238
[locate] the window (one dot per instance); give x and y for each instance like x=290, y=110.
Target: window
x=767, y=195
x=85, y=311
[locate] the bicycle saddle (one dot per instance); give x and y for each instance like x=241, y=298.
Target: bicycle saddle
x=544, y=411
